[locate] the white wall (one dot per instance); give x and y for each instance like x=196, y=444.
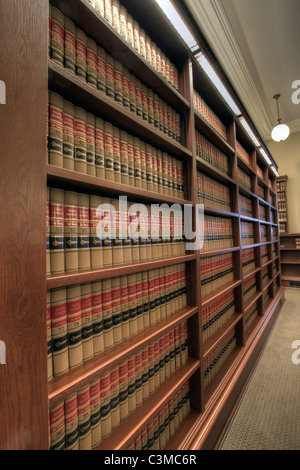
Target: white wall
x=287, y=156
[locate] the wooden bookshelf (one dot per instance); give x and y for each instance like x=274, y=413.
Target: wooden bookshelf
x=290, y=259
x=281, y=184
x=25, y=389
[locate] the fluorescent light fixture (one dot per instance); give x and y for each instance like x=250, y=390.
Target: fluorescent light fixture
x=210, y=72
x=265, y=155
x=274, y=170
x=249, y=131
x=178, y=23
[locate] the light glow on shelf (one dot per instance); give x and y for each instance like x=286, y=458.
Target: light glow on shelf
x=265, y=155
x=210, y=72
x=274, y=170
x=249, y=131
x=178, y=24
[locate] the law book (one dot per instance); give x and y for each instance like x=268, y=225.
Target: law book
x=132, y=93
x=87, y=321
x=96, y=252
x=117, y=155
x=109, y=151
x=132, y=304
x=71, y=422
x=70, y=45
x=117, y=241
x=95, y=417
x=115, y=397
x=57, y=242
x=56, y=35
x=125, y=308
x=139, y=302
x=49, y=337
x=81, y=54
x=123, y=390
x=107, y=313
x=71, y=231
x=118, y=82
x=110, y=76
x=137, y=162
x=59, y=328
x=55, y=142
x=74, y=318
x=101, y=69
x=80, y=156
x=151, y=368
x=126, y=239
x=57, y=427
x=105, y=405
x=130, y=156
x=48, y=234
x=68, y=135
x=97, y=316
x=84, y=414
x=124, y=157
x=131, y=384
x=116, y=310
x=99, y=148
x=91, y=62
x=138, y=378
x=106, y=219
x=90, y=144
x=126, y=88
x=84, y=261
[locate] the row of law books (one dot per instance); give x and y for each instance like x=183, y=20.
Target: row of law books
x=81, y=55
x=246, y=206
x=281, y=197
x=248, y=260
x=85, y=319
x=163, y=425
x=261, y=192
x=250, y=316
x=209, y=153
x=264, y=253
x=92, y=232
x=216, y=358
x=243, y=152
x=216, y=272
x=79, y=141
x=86, y=417
x=212, y=193
x=209, y=115
x=216, y=314
x=265, y=274
x=244, y=179
x=262, y=212
x=123, y=23
x=247, y=233
x=263, y=233
x=249, y=287
x=218, y=233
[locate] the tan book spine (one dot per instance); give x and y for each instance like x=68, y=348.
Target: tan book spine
x=136, y=35
x=108, y=11
x=130, y=34
x=105, y=404
x=157, y=363
x=97, y=312
x=124, y=157
x=172, y=351
x=106, y=218
x=145, y=111
x=84, y=261
x=91, y=62
x=125, y=308
x=145, y=288
x=132, y=91
x=139, y=301
x=157, y=295
x=155, y=169
x=132, y=303
x=95, y=399
x=168, y=291
x=138, y=442
x=90, y=144
x=71, y=420
x=84, y=415
x=48, y=234
x=101, y=69
x=116, y=310
x=57, y=427
x=144, y=439
x=80, y=155
x=127, y=249
x=143, y=239
x=162, y=370
x=57, y=35
x=49, y=337
x=162, y=293
x=57, y=242
x=71, y=231
x=68, y=135
x=110, y=76
x=117, y=242
x=137, y=162
x=115, y=397
x=162, y=434
x=74, y=325
x=81, y=54
x=95, y=242
x=109, y=151
x=59, y=331
x=87, y=321
x=117, y=155
x=143, y=43
x=123, y=22
x=139, y=378
x=100, y=7
x=118, y=82
x=130, y=159
x=151, y=277
x=56, y=106
x=149, y=165
x=145, y=373
x=156, y=433
x=123, y=390
x=131, y=384
x=150, y=97
x=100, y=149
x=139, y=99
x=171, y=416
x=135, y=241
x=167, y=355
x=151, y=369
x=107, y=313
x=143, y=165
x=70, y=45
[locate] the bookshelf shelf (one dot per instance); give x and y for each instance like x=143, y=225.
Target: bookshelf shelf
x=229, y=174
x=54, y=282
x=290, y=259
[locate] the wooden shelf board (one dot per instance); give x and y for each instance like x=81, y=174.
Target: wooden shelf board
x=204, y=127
x=53, y=282
x=206, y=254
x=219, y=293
x=213, y=172
x=219, y=335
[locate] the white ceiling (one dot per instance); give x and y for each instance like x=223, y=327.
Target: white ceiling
x=257, y=43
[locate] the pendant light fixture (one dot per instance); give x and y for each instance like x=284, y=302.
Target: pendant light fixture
x=281, y=131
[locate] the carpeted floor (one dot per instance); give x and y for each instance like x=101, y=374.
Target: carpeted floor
x=268, y=417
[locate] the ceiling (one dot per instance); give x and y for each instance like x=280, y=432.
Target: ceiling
x=257, y=43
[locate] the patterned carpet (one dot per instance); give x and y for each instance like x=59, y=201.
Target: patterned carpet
x=268, y=417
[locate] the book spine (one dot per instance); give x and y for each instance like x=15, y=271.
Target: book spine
x=107, y=313
x=68, y=135
x=123, y=386
x=56, y=106
x=59, y=329
x=97, y=312
x=71, y=231
x=70, y=45
x=95, y=242
x=71, y=422
x=91, y=62
x=49, y=337
x=80, y=163
x=105, y=405
x=57, y=243
x=84, y=414
x=84, y=262
x=116, y=310
x=99, y=148
x=95, y=418
x=81, y=54
x=115, y=397
x=109, y=151
x=75, y=348
x=57, y=427
x=57, y=35
x=90, y=144
x=87, y=321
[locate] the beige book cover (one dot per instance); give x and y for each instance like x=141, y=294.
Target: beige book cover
x=59, y=331
x=71, y=231
x=105, y=404
x=49, y=337
x=97, y=312
x=117, y=154
x=68, y=135
x=107, y=242
x=70, y=45
x=71, y=422
x=116, y=309
x=101, y=69
x=130, y=159
x=132, y=304
x=57, y=35
x=109, y=67
x=91, y=62
x=139, y=377
x=117, y=242
x=99, y=148
x=123, y=390
x=131, y=384
x=57, y=429
x=145, y=373
x=124, y=308
x=55, y=141
x=84, y=415
x=107, y=313
x=115, y=397
x=74, y=325
x=84, y=260
x=146, y=303
x=90, y=144
x=124, y=157
x=80, y=156
x=81, y=54
x=96, y=250
x=109, y=151
x=118, y=82
x=57, y=241
x=95, y=400
x=87, y=321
